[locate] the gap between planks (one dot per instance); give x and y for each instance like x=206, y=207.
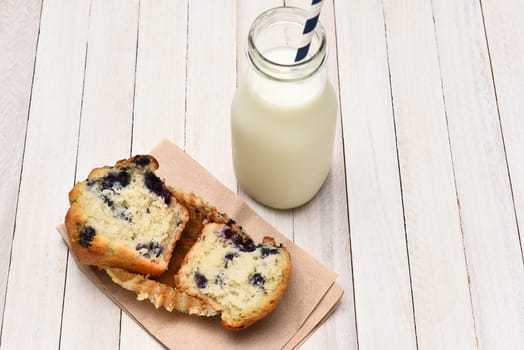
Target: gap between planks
x=400, y=177
x=501, y=129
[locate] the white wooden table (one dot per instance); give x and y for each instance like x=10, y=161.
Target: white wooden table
x=420, y=215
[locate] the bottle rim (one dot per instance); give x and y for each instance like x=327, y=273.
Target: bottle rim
x=280, y=71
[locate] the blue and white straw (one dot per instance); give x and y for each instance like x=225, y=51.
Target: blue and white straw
x=309, y=28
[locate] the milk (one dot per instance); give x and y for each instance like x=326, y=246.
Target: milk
x=282, y=134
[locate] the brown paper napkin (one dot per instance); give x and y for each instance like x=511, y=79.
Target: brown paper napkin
x=311, y=296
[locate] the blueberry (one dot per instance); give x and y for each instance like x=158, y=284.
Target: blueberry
x=230, y=222
x=229, y=257
x=153, y=249
x=122, y=178
x=267, y=251
x=155, y=185
x=239, y=239
x=200, y=280
x=142, y=161
x=228, y=233
x=247, y=245
x=236, y=239
x=108, y=201
x=257, y=280
x=86, y=236
x=167, y=196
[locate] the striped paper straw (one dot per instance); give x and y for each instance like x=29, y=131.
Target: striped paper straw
x=309, y=28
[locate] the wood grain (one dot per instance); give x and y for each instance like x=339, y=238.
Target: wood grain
x=159, y=106
x=421, y=215
x=486, y=207
x=380, y=266
x=133, y=336
x=442, y=303
x=19, y=25
x=32, y=318
x=211, y=72
x=160, y=74
x=504, y=26
x=327, y=237
x=105, y=136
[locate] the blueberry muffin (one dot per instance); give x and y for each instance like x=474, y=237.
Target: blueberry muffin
x=125, y=216
x=243, y=280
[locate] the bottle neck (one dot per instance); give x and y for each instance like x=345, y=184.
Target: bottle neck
x=273, y=41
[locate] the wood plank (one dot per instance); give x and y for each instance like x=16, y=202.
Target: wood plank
x=105, y=135
x=383, y=301
x=32, y=316
x=19, y=25
x=211, y=72
x=159, y=103
x=133, y=336
x=442, y=303
x=504, y=26
x=160, y=74
x=247, y=12
x=329, y=208
x=486, y=207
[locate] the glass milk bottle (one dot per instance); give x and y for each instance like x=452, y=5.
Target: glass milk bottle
x=283, y=114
